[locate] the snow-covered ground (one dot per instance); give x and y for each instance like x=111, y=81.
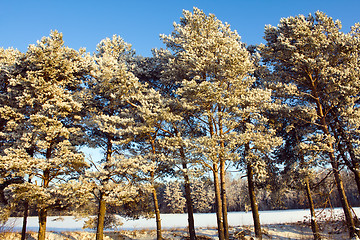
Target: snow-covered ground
x=171, y=221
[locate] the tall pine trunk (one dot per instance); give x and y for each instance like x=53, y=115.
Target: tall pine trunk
x=341, y=191
x=43, y=210
x=335, y=165
x=357, y=179
x=218, y=204
x=102, y=203
x=344, y=202
x=254, y=206
x=157, y=214
x=223, y=198
x=353, y=165
x=190, y=208
x=223, y=181
x=42, y=223
x=26, y=213
x=340, y=187
x=189, y=202
x=314, y=225
x=153, y=190
x=30, y=151
x=217, y=188
x=101, y=218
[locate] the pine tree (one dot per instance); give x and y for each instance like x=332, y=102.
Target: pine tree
x=299, y=155
x=176, y=131
x=113, y=96
x=258, y=140
x=10, y=117
x=173, y=196
x=215, y=88
x=312, y=62
x=154, y=117
x=46, y=87
x=202, y=195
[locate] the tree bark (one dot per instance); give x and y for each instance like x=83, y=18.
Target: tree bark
x=189, y=202
x=190, y=208
x=334, y=163
x=42, y=223
x=102, y=203
x=218, y=204
x=353, y=164
x=157, y=214
x=344, y=202
x=353, y=167
x=101, y=218
x=26, y=203
x=357, y=178
x=314, y=225
x=43, y=210
x=26, y=213
x=223, y=198
x=341, y=191
x=254, y=206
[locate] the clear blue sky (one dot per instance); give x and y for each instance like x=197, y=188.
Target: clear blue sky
x=139, y=22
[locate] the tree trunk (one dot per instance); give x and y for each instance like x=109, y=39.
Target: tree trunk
x=157, y=214
x=26, y=213
x=42, y=223
x=314, y=225
x=101, y=218
x=254, y=206
x=334, y=163
x=223, y=198
x=218, y=204
x=26, y=210
x=43, y=210
x=357, y=178
x=353, y=165
x=102, y=203
x=223, y=179
x=344, y=202
x=189, y=203
x=190, y=208
x=340, y=187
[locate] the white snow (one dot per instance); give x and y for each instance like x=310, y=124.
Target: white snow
x=202, y=220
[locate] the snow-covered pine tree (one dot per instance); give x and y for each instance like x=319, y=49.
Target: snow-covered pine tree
x=48, y=79
x=346, y=125
x=179, y=127
x=174, y=197
x=112, y=94
x=10, y=117
x=315, y=69
x=257, y=139
x=203, y=194
x=173, y=127
x=154, y=116
x=299, y=154
x=216, y=89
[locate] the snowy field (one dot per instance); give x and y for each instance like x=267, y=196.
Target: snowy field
x=171, y=221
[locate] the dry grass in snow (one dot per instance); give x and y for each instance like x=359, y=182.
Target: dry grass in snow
x=301, y=231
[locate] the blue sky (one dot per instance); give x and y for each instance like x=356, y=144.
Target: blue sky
x=139, y=22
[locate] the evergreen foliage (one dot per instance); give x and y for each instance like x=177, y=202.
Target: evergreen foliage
x=284, y=114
